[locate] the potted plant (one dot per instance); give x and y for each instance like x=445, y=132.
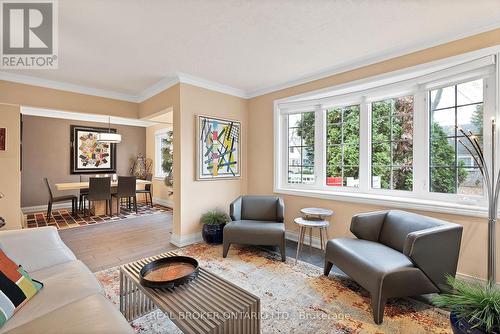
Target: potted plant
x=475, y=308
x=213, y=226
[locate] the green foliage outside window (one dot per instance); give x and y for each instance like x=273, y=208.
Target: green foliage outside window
x=392, y=145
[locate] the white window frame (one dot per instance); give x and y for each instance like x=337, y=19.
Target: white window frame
x=159, y=136
x=417, y=82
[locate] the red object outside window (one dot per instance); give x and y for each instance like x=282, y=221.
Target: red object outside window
x=334, y=181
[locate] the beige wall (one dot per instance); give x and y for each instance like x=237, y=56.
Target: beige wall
x=10, y=206
x=160, y=190
x=156, y=105
x=46, y=153
x=260, y=152
x=201, y=196
x=33, y=96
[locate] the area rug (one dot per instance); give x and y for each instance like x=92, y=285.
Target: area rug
x=295, y=298
x=63, y=219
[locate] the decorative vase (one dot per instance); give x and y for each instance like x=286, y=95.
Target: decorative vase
x=461, y=326
x=212, y=234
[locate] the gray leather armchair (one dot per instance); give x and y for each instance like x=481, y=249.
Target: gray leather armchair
x=396, y=254
x=256, y=220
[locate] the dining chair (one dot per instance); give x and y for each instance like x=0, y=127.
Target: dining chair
x=126, y=189
x=84, y=192
x=53, y=199
x=147, y=190
x=100, y=190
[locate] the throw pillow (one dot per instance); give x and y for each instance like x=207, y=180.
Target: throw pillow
x=16, y=286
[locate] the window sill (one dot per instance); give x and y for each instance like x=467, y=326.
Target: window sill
x=391, y=201
x=159, y=178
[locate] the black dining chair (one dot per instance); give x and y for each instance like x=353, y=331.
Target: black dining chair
x=53, y=199
x=147, y=191
x=126, y=189
x=100, y=190
x=84, y=192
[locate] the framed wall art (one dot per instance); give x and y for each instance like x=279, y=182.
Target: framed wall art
x=218, y=148
x=89, y=156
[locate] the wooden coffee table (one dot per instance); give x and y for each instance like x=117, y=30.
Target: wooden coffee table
x=208, y=304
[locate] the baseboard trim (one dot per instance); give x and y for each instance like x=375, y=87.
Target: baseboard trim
x=185, y=240
x=165, y=202
x=43, y=208
x=294, y=236
x=473, y=279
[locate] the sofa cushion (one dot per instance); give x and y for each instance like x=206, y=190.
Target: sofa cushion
x=16, y=286
x=254, y=232
x=63, y=284
x=263, y=208
x=398, y=224
x=92, y=314
x=365, y=261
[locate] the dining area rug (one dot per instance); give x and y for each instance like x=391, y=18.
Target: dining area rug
x=295, y=298
x=63, y=219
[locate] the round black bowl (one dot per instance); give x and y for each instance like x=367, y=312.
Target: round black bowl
x=168, y=283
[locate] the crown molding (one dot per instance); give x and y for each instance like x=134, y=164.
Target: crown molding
x=34, y=81
x=211, y=85
x=76, y=116
x=158, y=87
x=168, y=82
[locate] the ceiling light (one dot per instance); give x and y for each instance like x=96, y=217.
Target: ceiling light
x=109, y=137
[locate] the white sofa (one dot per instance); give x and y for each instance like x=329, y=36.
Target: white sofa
x=71, y=300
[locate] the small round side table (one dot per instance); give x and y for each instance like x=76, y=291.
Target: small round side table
x=311, y=223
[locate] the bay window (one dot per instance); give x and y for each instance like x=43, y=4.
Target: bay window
x=396, y=141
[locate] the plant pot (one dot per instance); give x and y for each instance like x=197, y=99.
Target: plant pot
x=212, y=234
x=462, y=326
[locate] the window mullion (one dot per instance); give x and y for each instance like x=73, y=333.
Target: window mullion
x=364, y=146
x=420, y=135
x=319, y=147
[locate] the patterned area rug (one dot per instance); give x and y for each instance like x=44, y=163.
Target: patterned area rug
x=294, y=298
x=62, y=219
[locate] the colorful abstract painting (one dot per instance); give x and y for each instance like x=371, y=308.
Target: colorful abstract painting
x=2, y=139
x=219, y=145
x=88, y=155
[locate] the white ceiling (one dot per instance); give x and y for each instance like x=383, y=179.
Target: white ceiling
x=127, y=46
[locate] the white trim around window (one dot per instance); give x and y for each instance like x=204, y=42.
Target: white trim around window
x=159, y=136
x=363, y=92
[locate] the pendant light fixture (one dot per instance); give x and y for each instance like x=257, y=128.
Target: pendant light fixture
x=109, y=137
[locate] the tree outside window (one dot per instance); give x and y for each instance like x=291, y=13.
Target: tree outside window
x=452, y=169
x=392, y=143
x=301, y=148
x=342, y=146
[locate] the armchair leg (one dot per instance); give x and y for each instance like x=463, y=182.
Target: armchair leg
x=328, y=268
x=283, y=250
x=49, y=211
x=378, y=306
x=225, y=249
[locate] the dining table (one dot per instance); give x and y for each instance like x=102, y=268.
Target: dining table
x=99, y=207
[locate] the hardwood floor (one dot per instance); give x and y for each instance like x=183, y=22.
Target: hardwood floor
x=111, y=244
x=107, y=245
